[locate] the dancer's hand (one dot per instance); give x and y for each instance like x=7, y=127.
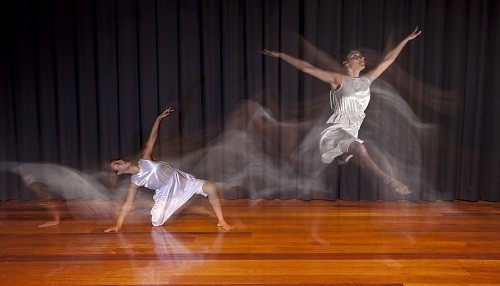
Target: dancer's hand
x=166, y=112
x=115, y=228
x=273, y=54
x=413, y=34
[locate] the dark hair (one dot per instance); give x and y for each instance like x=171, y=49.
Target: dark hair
x=107, y=176
x=346, y=51
x=106, y=167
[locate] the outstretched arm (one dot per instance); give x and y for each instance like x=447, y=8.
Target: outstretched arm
x=147, y=150
x=126, y=207
x=391, y=56
x=327, y=76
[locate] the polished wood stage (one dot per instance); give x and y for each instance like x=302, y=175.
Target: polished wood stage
x=276, y=242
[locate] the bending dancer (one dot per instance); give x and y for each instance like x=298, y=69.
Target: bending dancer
x=349, y=97
x=52, y=181
x=173, y=187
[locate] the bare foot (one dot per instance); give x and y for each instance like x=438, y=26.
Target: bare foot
x=398, y=187
x=49, y=223
x=225, y=225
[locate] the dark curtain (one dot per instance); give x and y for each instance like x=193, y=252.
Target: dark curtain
x=82, y=81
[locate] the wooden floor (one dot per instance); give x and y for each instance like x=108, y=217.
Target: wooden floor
x=276, y=243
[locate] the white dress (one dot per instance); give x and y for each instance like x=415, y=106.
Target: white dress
x=348, y=104
x=173, y=188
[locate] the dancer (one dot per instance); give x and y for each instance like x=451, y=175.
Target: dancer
x=349, y=97
x=51, y=181
x=173, y=187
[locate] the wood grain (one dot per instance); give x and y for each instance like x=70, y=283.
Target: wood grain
x=276, y=242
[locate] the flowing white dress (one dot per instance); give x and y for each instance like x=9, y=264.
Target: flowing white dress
x=173, y=188
x=85, y=196
x=348, y=104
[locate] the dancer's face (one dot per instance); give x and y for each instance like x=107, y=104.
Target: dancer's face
x=120, y=165
x=355, y=60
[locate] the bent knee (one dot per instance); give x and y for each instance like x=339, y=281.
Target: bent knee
x=209, y=188
x=356, y=148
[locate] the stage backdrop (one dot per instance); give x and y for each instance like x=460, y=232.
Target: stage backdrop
x=82, y=82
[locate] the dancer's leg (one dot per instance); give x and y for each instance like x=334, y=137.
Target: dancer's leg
x=366, y=162
x=213, y=197
x=40, y=189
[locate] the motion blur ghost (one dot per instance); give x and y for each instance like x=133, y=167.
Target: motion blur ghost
x=268, y=156
x=85, y=195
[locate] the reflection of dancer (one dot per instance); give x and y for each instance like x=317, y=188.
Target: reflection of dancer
x=349, y=97
x=173, y=187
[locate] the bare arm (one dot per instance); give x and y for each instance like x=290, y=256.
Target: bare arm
x=126, y=207
x=147, y=150
x=332, y=78
x=391, y=56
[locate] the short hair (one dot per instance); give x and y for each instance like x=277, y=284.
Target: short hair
x=346, y=51
x=107, y=176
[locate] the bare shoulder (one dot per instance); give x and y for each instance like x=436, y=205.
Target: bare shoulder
x=371, y=75
x=132, y=185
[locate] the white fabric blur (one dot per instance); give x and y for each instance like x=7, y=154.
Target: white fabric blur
x=62, y=182
x=173, y=188
x=348, y=104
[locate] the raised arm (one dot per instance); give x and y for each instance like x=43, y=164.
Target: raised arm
x=147, y=150
x=330, y=77
x=126, y=207
x=391, y=56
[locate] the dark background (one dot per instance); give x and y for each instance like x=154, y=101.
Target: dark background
x=82, y=81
